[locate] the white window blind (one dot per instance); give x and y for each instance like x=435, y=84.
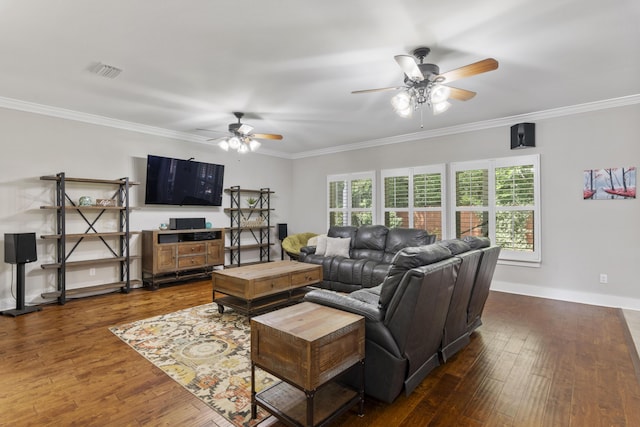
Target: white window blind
x=351, y=199
x=499, y=199
x=413, y=198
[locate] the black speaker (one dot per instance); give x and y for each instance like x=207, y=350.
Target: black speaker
x=523, y=135
x=20, y=248
x=282, y=231
x=186, y=223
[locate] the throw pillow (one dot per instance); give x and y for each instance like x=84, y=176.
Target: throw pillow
x=321, y=245
x=314, y=240
x=338, y=246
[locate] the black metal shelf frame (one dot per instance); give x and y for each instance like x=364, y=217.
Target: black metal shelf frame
x=120, y=251
x=261, y=234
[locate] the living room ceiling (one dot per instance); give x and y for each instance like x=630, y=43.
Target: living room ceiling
x=291, y=65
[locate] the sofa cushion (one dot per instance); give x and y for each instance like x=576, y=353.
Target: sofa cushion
x=399, y=238
x=369, y=242
x=342, y=231
x=405, y=260
x=338, y=246
x=477, y=242
x=321, y=245
x=313, y=241
x=371, y=237
x=456, y=246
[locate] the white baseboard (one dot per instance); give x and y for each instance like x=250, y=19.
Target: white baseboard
x=567, y=295
x=512, y=288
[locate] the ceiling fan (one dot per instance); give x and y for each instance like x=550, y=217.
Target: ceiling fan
x=424, y=83
x=242, y=137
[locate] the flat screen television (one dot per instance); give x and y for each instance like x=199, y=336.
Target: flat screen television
x=183, y=182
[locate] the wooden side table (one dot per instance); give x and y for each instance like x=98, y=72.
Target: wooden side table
x=307, y=346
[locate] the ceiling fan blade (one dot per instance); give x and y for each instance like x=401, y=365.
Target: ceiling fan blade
x=479, y=67
x=382, y=89
x=409, y=66
x=461, y=94
x=266, y=136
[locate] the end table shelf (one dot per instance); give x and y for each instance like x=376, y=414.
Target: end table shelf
x=292, y=402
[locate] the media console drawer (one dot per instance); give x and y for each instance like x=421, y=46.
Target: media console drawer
x=191, y=248
x=192, y=261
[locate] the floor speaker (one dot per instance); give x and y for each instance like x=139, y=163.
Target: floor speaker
x=282, y=231
x=523, y=135
x=20, y=248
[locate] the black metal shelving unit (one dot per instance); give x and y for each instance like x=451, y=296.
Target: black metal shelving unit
x=119, y=249
x=241, y=224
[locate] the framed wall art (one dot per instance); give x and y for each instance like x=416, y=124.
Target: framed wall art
x=612, y=183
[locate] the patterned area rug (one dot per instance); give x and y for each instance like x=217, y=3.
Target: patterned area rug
x=206, y=352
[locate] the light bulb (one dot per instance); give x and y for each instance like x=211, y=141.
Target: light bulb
x=440, y=107
x=243, y=148
x=440, y=94
x=403, y=104
x=234, y=143
x=254, y=145
x=224, y=145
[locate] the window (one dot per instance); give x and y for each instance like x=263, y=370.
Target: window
x=499, y=199
x=414, y=198
x=351, y=199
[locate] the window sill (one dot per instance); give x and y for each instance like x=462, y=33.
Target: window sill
x=530, y=264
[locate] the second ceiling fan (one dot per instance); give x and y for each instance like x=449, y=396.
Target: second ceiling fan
x=425, y=85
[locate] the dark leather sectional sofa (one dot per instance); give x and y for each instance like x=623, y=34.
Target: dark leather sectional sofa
x=371, y=250
x=423, y=312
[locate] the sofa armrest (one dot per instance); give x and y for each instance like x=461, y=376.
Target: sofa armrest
x=345, y=303
x=375, y=329
x=306, y=250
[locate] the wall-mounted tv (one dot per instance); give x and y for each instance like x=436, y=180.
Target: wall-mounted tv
x=183, y=182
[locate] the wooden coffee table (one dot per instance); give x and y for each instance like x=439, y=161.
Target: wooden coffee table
x=260, y=287
x=307, y=345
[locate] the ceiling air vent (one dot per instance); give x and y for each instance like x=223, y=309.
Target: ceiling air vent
x=105, y=70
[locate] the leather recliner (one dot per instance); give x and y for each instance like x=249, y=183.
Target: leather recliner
x=404, y=318
x=372, y=248
x=423, y=312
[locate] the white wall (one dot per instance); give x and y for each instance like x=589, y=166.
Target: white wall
x=34, y=145
x=580, y=239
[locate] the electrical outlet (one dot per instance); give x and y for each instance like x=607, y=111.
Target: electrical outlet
x=604, y=278
x=92, y=272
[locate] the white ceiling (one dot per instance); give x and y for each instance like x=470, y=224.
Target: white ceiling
x=291, y=64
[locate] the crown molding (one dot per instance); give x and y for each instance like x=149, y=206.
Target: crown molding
x=476, y=126
x=47, y=110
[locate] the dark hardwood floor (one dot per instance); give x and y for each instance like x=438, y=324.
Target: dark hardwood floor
x=534, y=362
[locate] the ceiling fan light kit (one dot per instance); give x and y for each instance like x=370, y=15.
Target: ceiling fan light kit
x=242, y=138
x=425, y=85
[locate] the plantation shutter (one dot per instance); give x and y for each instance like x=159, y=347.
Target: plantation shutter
x=350, y=199
x=515, y=207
